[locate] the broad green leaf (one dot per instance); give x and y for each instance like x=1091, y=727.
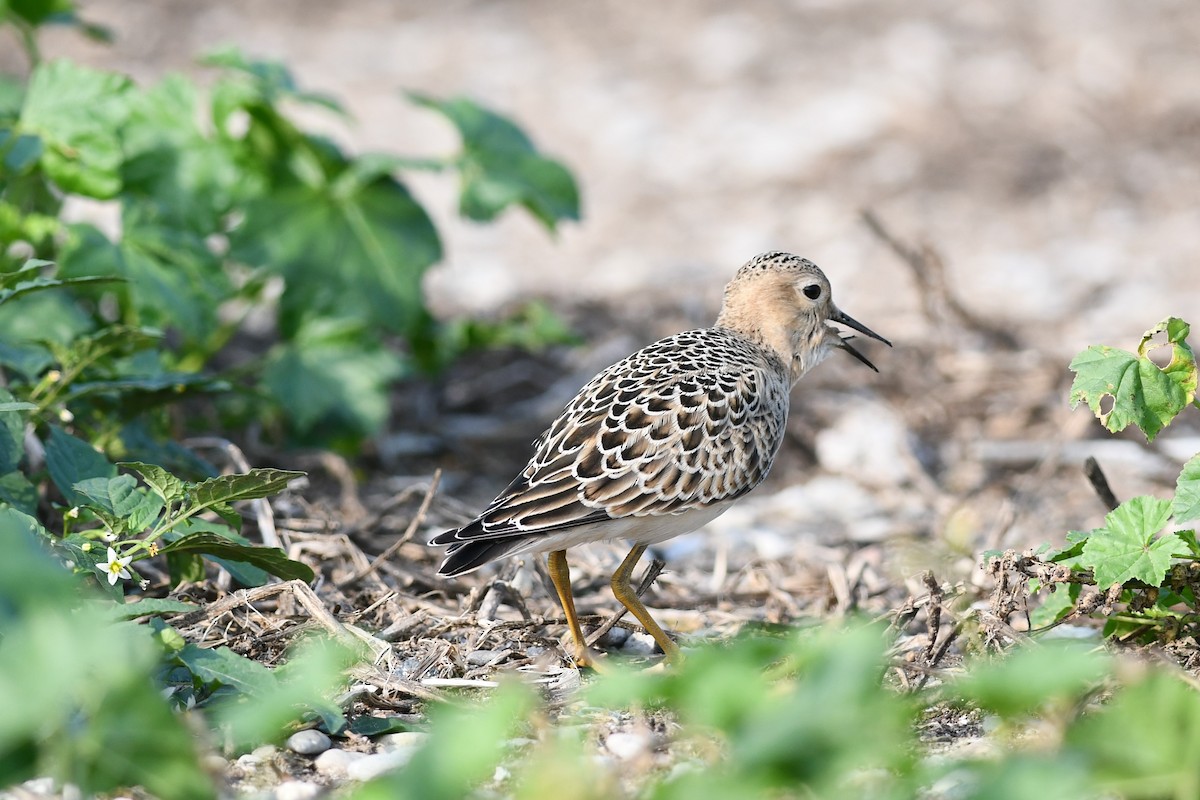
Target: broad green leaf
x=1186, y=505
x=185, y=568
x=20, y=153
x=1126, y=548
x=78, y=113
x=40, y=12
x=173, y=281
x=12, y=431
x=1142, y=743
x=30, y=360
x=1140, y=392
x=244, y=573
x=246, y=486
x=71, y=460
x=141, y=443
x=147, y=606
x=466, y=746
x=271, y=559
x=333, y=385
x=18, y=492
x=222, y=666
x=1028, y=678
x=308, y=680
x=129, y=507
x=377, y=726
x=351, y=250
x=500, y=166
x=1055, y=606
x=164, y=484
x=179, y=176
x=272, y=79
x=76, y=697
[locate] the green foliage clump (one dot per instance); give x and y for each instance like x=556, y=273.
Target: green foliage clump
x=1143, y=561
x=226, y=210
x=810, y=715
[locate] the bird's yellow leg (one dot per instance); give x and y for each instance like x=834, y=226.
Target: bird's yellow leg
x=623, y=590
x=560, y=574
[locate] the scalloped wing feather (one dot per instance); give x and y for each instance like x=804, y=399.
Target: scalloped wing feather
x=690, y=422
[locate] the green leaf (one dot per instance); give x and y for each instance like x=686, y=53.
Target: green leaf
x=1125, y=548
x=332, y=384
x=307, y=680
x=223, y=667
x=163, y=483
x=176, y=174
x=78, y=113
x=1186, y=505
x=1141, y=744
x=71, y=460
x=129, y=508
x=346, y=248
x=466, y=746
x=12, y=431
x=272, y=80
x=271, y=559
x=1056, y=605
x=1029, y=678
x=173, y=281
x=1182, y=367
x=500, y=166
x=148, y=606
x=246, y=486
x=18, y=492
x=377, y=726
x=1141, y=393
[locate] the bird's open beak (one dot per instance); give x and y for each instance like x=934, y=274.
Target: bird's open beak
x=843, y=318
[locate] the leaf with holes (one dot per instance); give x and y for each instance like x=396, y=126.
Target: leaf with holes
x=1126, y=549
x=1141, y=392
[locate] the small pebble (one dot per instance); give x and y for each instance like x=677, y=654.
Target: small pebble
x=297, y=790
x=613, y=638
x=626, y=746
x=640, y=644
x=376, y=764
x=334, y=763
x=39, y=786
x=308, y=742
x=249, y=761
x=266, y=752
x=403, y=740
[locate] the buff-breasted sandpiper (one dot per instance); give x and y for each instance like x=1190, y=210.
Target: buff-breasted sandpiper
x=663, y=442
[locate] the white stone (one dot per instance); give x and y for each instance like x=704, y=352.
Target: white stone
x=402, y=740
x=308, y=742
x=334, y=763
x=376, y=764
x=626, y=746
x=297, y=790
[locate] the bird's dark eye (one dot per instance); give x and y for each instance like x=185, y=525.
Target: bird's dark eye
x=812, y=291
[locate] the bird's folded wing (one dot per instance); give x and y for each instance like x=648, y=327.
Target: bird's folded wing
x=648, y=436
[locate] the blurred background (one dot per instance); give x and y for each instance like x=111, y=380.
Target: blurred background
x=1045, y=155
x=1049, y=151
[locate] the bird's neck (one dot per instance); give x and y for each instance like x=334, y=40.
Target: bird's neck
x=799, y=348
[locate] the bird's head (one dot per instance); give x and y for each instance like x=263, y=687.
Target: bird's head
x=785, y=302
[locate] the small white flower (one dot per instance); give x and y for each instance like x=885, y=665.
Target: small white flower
x=108, y=536
x=115, y=567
